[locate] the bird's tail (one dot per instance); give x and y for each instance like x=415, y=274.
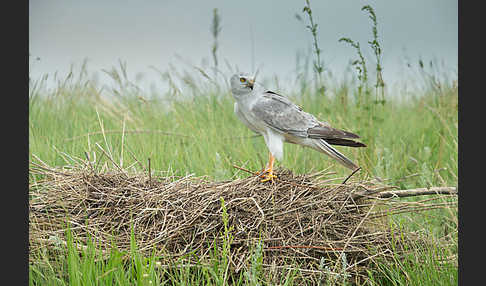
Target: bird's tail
x=324, y=147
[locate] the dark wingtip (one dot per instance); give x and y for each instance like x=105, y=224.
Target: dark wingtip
x=344, y=142
x=351, y=135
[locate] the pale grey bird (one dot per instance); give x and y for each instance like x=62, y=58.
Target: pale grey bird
x=279, y=120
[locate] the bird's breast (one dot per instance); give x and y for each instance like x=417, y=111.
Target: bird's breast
x=245, y=115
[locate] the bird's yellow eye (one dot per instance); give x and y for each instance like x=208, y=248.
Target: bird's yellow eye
x=242, y=79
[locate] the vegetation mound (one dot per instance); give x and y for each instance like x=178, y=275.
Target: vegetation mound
x=333, y=228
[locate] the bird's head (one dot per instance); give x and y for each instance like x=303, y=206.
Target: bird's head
x=241, y=83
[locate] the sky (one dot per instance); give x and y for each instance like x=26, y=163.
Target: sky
x=255, y=34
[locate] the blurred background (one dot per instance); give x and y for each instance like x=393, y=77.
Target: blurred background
x=270, y=36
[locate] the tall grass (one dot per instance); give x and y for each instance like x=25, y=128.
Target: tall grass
x=318, y=66
x=364, y=95
x=201, y=135
x=215, y=31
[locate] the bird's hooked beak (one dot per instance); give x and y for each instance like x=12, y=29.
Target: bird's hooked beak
x=250, y=83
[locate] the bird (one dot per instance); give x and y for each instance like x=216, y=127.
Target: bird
x=279, y=120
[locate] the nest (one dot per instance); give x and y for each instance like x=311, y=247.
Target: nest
x=299, y=220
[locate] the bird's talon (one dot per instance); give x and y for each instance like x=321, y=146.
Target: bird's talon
x=261, y=173
x=268, y=177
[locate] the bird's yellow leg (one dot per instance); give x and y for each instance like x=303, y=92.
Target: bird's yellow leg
x=268, y=173
x=265, y=169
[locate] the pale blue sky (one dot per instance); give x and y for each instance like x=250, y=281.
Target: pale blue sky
x=144, y=33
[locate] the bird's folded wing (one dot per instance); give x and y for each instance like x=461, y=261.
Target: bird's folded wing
x=327, y=132
x=282, y=115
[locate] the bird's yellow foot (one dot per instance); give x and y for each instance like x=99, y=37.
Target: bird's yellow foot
x=261, y=173
x=267, y=173
x=268, y=176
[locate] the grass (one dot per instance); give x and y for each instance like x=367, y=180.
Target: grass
x=201, y=135
x=414, y=145
x=70, y=265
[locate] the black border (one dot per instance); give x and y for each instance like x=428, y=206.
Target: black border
x=15, y=147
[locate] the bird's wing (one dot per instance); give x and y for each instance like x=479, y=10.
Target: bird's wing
x=279, y=113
